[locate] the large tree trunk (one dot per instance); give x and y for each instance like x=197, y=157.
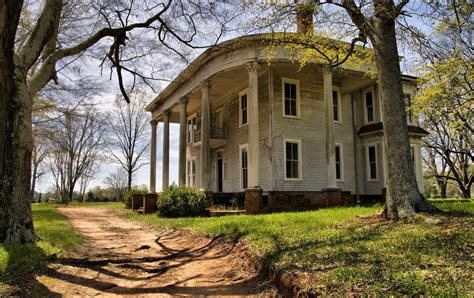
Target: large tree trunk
x=16, y=144
x=403, y=198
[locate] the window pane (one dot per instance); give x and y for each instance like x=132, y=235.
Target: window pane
x=370, y=114
x=368, y=99
x=295, y=151
x=293, y=91
x=338, y=171
x=373, y=170
x=338, y=154
x=244, y=117
x=295, y=169
x=287, y=107
x=372, y=154
x=336, y=113
x=288, y=150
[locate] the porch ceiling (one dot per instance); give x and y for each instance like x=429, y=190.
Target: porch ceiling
x=222, y=85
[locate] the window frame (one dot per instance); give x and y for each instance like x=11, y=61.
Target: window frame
x=339, y=104
x=189, y=135
x=341, y=162
x=241, y=169
x=410, y=118
x=364, y=99
x=191, y=175
x=300, y=159
x=241, y=94
x=367, y=156
x=298, y=98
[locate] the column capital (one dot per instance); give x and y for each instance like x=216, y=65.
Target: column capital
x=167, y=112
x=205, y=84
x=154, y=122
x=184, y=100
x=252, y=66
x=327, y=70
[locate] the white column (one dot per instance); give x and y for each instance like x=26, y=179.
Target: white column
x=153, y=157
x=166, y=149
x=252, y=101
x=182, y=140
x=330, y=146
x=205, y=134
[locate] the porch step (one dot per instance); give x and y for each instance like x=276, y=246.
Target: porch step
x=216, y=213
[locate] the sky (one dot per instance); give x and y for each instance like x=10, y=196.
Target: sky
x=168, y=67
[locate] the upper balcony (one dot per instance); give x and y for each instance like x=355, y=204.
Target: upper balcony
x=217, y=138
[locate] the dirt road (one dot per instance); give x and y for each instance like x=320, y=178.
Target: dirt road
x=121, y=257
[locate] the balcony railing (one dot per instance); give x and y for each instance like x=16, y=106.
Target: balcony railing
x=216, y=133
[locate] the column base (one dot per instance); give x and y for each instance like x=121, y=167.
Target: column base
x=149, y=203
x=253, y=200
x=209, y=198
x=333, y=196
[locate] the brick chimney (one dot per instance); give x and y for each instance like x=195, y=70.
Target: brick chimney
x=304, y=17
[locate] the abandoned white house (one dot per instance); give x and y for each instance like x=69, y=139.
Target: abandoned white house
x=291, y=133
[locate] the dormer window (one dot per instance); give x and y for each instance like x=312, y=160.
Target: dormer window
x=369, y=106
x=291, y=98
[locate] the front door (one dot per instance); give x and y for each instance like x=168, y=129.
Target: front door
x=220, y=175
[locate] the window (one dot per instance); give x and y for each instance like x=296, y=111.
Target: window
x=243, y=108
x=192, y=126
x=372, y=163
x=291, y=97
x=244, y=170
x=369, y=106
x=191, y=172
x=413, y=160
x=339, y=163
x=292, y=160
x=336, y=106
x=407, y=99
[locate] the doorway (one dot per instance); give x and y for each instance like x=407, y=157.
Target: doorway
x=220, y=175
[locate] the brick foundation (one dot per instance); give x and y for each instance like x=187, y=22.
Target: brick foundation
x=309, y=199
x=137, y=201
x=149, y=202
x=253, y=201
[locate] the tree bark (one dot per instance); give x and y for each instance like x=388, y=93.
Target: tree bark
x=16, y=225
x=403, y=198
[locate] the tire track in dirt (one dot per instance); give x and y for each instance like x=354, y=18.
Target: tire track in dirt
x=121, y=257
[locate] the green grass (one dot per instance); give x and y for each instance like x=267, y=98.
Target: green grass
x=331, y=251
x=56, y=237
x=109, y=205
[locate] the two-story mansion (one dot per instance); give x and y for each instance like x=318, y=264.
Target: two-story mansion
x=246, y=123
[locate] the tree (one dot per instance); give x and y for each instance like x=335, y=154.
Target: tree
x=403, y=198
x=49, y=38
x=118, y=181
x=444, y=99
x=374, y=21
x=129, y=139
x=76, y=147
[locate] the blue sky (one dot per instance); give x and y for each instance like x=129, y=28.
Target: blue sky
x=90, y=68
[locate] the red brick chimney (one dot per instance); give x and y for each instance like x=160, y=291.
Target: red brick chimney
x=304, y=17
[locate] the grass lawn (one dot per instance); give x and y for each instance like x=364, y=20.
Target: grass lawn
x=57, y=237
x=335, y=251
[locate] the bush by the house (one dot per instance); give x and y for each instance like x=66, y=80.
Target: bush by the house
x=181, y=201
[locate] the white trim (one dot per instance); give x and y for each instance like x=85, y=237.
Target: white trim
x=412, y=122
x=364, y=92
x=298, y=97
x=190, y=140
x=216, y=112
x=341, y=152
x=243, y=146
x=339, y=104
x=367, y=162
x=300, y=160
x=189, y=175
x=242, y=93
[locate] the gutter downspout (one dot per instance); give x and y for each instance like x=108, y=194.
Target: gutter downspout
x=356, y=149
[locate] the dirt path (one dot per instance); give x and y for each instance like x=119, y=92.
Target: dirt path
x=121, y=257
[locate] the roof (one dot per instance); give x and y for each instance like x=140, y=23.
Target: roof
x=211, y=53
x=378, y=127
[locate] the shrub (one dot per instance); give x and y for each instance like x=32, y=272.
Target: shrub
x=181, y=201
